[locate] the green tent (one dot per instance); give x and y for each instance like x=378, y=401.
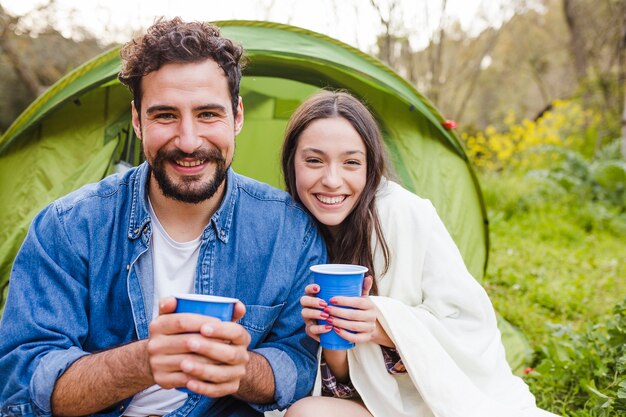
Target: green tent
x=79, y=131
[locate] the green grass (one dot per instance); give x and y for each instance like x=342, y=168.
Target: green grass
x=557, y=263
x=553, y=258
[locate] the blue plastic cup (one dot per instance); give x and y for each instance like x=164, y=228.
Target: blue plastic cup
x=208, y=305
x=337, y=279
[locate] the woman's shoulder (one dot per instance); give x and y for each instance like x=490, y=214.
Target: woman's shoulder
x=392, y=197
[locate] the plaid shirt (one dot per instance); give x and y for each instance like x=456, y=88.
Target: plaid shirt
x=332, y=388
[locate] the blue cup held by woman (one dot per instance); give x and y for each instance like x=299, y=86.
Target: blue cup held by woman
x=334, y=280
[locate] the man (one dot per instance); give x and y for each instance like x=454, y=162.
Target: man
x=86, y=329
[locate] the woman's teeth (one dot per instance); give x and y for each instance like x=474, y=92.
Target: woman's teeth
x=331, y=200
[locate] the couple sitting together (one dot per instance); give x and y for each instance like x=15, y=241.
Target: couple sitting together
x=89, y=326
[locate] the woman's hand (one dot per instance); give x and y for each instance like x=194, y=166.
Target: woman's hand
x=312, y=310
x=359, y=319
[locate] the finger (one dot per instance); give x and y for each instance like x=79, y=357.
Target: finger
x=315, y=330
x=167, y=371
x=172, y=363
x=354, y=326
x=213, y=390
x=233, y=333
x=352, y=314
x=312, y=289
x=175, y=344
x=353, y=337
x=368, y=281
x=361, y=303
x=239, y=310
x=179, y=323
x=167, y=305
x=214, y=373
x=169, y=380
x=314, y=314
x=220, y=352
x=312, y=302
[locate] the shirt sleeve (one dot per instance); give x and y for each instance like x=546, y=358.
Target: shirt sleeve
x=43, y=282
x=289, y=351
x=332, y=388
x=393, y=361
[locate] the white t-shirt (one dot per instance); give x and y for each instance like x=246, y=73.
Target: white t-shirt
x=174, y=265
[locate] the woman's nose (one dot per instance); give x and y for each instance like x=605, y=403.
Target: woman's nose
x=332, y=178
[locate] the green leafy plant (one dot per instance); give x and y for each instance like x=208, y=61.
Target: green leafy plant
x=600, y=179
x=584, y=373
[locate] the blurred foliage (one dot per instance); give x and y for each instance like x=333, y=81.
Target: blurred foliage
x=522, y=66
x=566, y=125
x=51, y=56
x=600, y=179
x=34, y=57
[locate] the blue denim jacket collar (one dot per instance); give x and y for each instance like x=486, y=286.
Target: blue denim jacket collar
x=139, y=217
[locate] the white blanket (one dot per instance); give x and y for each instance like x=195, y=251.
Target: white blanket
x=441, y=322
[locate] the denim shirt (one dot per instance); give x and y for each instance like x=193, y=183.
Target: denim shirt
x=82, y=283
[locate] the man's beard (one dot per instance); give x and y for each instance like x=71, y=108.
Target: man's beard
x=191, y=190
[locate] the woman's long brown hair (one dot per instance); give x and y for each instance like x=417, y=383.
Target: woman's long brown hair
x=353, y=242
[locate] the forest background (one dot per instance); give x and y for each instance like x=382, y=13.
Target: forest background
x=538, y=96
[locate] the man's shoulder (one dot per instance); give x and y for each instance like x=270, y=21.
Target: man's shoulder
x=264, y=192
x=97, y=193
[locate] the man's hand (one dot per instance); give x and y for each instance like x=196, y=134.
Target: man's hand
x=198, y=352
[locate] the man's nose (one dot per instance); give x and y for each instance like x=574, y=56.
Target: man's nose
x=188, y=140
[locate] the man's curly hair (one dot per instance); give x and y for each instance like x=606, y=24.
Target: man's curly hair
x=176, y=41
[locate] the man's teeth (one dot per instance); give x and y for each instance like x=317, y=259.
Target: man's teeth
x=190, y=163
x=330, y=200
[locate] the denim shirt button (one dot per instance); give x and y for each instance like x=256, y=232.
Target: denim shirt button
x=222, y=232
x=128, y=267
x=136, y=231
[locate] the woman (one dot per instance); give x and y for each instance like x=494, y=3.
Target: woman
x=426, y=339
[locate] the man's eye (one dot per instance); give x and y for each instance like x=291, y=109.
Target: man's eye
x=164, y=116
x=207, y=115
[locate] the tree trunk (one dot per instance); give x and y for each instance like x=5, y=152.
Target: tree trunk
x=624, y=129
x=577, y=44
x=622, y=80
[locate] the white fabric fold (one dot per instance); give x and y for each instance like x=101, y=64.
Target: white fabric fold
x=442, y=324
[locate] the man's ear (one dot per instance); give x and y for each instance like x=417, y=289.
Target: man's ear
x=239, y=117
x=136, y=120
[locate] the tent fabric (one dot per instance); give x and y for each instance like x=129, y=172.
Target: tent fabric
x=79, y=131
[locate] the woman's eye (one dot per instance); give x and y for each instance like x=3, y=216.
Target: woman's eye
x=354, y=162
x=313, y=161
